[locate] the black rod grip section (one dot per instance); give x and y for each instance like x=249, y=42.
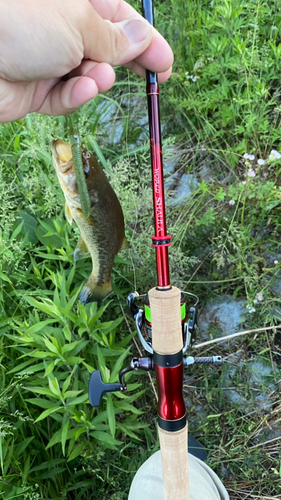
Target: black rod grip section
x=97, y=388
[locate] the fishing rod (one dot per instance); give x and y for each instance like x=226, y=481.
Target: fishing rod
x=164, y=327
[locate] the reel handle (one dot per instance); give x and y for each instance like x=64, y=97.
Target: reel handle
x=97, y=388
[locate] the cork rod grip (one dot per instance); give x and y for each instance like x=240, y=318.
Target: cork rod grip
x=174, y=457
x=167, y=340
x=166, y=320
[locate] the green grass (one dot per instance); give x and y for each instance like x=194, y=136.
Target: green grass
x=53, y=445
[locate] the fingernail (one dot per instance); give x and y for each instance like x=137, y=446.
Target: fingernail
x=136, y=30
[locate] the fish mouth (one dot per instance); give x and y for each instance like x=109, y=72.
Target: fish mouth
x=62, y=155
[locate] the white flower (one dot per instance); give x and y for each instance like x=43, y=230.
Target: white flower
x=261, y=161
x=244, y=182
x=274, y=155
x=276, y=262
x=231, y=202
x=248, y=157
x=259, y=296
x=251, y=309
x=251, y=173
x=190, y=77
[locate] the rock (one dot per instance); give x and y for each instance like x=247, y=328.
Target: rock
x=205, y=173
x=260, y=383
x=107, y=110
x=117, y=131
x=276, y=285
x=256, y=376
x=223, y=314
x=112, y=126
x=172, y=156
x=183, y=191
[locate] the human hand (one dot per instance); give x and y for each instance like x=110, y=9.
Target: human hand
x=57, y=55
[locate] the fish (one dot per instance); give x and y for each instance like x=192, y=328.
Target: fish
x=102, y=234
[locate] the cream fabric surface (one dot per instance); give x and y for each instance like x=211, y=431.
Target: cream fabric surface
x=204, y=484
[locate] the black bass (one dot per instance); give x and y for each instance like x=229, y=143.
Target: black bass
x=102, y=233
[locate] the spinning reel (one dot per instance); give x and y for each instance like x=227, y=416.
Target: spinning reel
x=142, y=319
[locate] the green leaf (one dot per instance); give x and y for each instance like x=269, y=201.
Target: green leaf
x=118, y=365
x=220, y=196
x=50, y=346
x=48, y=465
x=5, y=278
x=109, y=325
x=100, y=358
x=56, y=438
x=42, y=354
x=40, y=390
x=77, y=401
x=26, y=469
x=17, y=143
x=104, y=438
x=31, y=369
x=38, y=327
x=65, y=425
x=77, y=451
x=54, y=241
x=17, y=231
x=127, y=430
x=75, y=360
x=54, y=386
x=47, y=306
x=53, y=472
x=29, y=226
x=80, y=431
x=111, y=415
x=98, y=152
x=46, y=413
x=1, y=456
x=70, y=394
x=21, y=447
x=8, y=458
x=50, y=368
x=67, y=332
x=70, y=347
x=66, y=384
x=70, y=277
x=22, y=365
x=127, y=407
x=43, y=403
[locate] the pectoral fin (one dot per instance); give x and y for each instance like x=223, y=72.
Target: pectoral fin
x=125, y=244
x=68, y=214
x=81, y=249
x=92, y=292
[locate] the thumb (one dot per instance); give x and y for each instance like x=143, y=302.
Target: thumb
x=115, y=43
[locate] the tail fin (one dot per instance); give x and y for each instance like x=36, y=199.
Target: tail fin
x=92, y=292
